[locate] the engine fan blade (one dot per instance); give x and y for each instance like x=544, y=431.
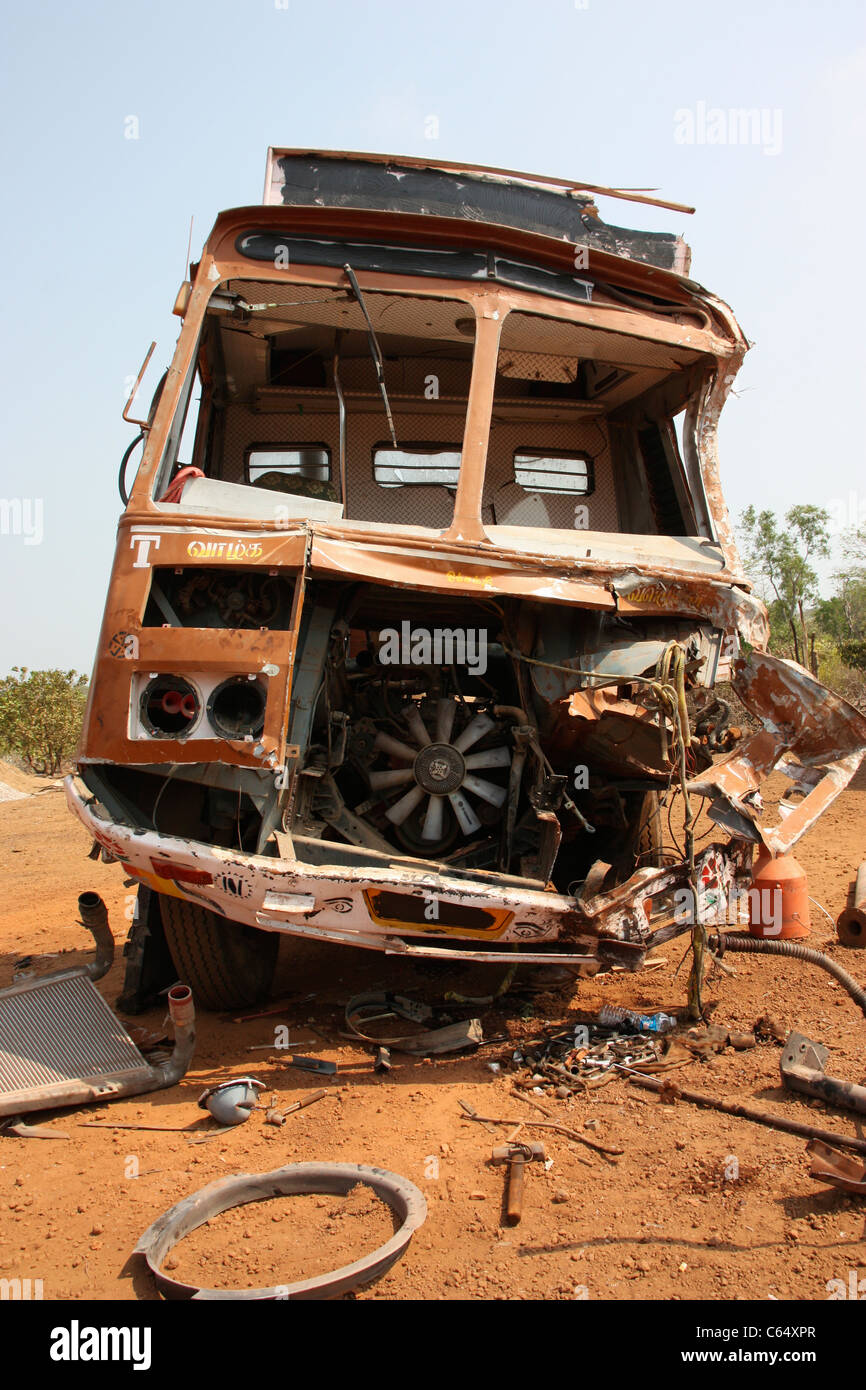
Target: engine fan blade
x=445, y=712
x=467, y=818
x=395, y=777
x=405, y=806
x=475, y=729
x=488, y=791
x=417, y=727
x=386, y=744
x=492, y=757
x=434, y=820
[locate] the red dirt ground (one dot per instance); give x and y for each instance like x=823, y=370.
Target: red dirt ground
x=664, y=1222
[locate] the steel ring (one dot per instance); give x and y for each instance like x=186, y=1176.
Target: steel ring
x=403, y=1197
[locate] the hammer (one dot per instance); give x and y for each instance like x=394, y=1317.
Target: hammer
x=516, y=1156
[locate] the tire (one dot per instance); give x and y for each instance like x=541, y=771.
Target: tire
x=225, y=963
x=650, y=837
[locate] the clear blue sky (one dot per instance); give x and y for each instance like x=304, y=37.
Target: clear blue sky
x=95, y=227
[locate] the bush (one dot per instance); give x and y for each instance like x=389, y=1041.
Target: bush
x=846, y=680
x=40, y=716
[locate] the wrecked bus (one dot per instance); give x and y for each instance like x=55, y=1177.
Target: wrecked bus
x=424, y=586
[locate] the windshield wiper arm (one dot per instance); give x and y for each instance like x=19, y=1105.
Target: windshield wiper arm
x=375, y=350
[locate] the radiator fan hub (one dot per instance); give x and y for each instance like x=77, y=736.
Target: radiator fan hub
x=440, y=769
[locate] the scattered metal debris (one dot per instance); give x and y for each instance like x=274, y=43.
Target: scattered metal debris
x=364, y=1009
x=317, y=1064
x=274, y=1009
x=851, y=923
x=611, y=1154
x=148, y=1039
x=232, y=1102
x=403, y=1197
x=670, y=1091
x=488, y=1121
x=279, y=1047
x=153, y=1129
x=802, y=1066
x=25, y=1131
x=583, y=1057
x=838, y=1169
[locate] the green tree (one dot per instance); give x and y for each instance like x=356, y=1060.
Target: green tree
x=40, y=716
x=843, y=617
x=782, y=555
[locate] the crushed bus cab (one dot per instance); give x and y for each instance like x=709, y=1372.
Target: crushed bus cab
x=424, y=586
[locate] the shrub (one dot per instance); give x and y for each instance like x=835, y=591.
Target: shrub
x=40, y=716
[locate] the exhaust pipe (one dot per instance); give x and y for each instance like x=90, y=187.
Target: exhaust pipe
x=181, y=1011
x=93, y=915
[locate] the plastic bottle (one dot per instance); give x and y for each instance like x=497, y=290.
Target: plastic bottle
x=612, y=1016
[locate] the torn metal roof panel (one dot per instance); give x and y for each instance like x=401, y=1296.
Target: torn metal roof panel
x=398, y=184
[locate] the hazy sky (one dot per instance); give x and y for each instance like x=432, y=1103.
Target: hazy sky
x=616, y=92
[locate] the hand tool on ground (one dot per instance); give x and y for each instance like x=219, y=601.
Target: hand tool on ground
x=516, y=1156
x=274, y=1111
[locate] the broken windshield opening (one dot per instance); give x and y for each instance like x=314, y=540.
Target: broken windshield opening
x=278, y=358
x=582, y=436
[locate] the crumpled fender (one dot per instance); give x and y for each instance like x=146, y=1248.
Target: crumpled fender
x=801, y=718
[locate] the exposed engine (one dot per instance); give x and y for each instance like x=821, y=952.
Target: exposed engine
x=465, y=753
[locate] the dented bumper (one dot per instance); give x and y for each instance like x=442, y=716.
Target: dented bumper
x=379, y=908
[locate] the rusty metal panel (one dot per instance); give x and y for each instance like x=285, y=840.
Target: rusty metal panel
x=801, y=717
x=386, y=183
